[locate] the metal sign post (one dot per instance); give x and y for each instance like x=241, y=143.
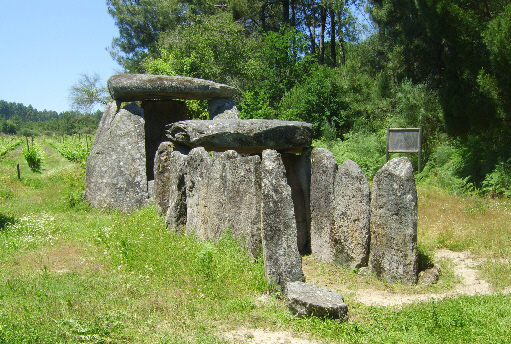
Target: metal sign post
x=404, y=140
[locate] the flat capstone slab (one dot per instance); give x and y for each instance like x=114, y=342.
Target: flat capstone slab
x=309, y=300
x=135, y=87
x=242, y=135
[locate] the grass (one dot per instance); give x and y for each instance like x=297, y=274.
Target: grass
x=71, y=274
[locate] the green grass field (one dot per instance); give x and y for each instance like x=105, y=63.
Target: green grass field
x=70, y=274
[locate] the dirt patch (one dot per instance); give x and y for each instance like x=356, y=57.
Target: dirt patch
x=62, y=259
x=257, y=336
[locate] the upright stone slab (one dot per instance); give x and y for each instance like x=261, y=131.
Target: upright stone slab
x=323, y=171
x=393, y=252
x=350, y=237
x=222, y=108
x=157, y=114
x=282, y=261
x=176, y=208
x=162, y=176
x=198, y=167
x=298, y=174
x=115, y=176
x=234, y=200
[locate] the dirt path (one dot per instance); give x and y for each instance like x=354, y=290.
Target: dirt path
x=465, y=268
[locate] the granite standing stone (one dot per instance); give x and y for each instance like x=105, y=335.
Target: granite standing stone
x=157, y=114
x=393, y=251
x=162, y=176
x=176, y=208
x=282, y=261
x=133, y=87
x=234, y=200
x=198, y=167
x=350, y=237
x=323, y=170
x=298, y=174
x=243, y=136
x=222, y=108
x=115, y=176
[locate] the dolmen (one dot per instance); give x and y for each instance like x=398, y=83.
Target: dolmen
x=259, y=181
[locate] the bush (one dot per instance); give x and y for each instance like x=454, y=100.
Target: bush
x=498, y=182
x=34, y=157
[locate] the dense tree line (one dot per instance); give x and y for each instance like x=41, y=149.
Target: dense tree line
x=16, y=118
x=441, y=64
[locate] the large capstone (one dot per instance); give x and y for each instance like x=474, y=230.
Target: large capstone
x=282, y=260
x=309, y=300
x=133, y=87
x=115, y=176
x=243, y=136
x=393, y=252
x=350, y=237
x=323, y=171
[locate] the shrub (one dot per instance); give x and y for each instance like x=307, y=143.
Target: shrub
x=34, y=157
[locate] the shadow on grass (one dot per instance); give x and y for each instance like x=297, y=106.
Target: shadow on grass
x=5, y=220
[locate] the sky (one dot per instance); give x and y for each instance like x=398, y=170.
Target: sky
x=45, y=45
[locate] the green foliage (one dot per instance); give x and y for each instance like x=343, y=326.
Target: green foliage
x=34, y=157
x=498, y=182
x=8, y=143
x=256, y=105
x=74, y=148
x=87, y=93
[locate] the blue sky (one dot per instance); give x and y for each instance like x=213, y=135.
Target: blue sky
x=46, y=45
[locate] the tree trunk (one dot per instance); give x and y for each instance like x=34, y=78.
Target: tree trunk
x=332, y=37
x=285, y=11
x=322, y=14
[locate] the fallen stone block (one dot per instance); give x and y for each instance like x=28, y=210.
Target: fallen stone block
x=222, y=108
x=309, y=300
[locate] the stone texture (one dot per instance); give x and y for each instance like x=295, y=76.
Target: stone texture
x=323, y=170
x=430, y=276
x=161, y=176
x=157, y=114
x=115, y=175
x=282, y=261
x=308, y=300
x=222, y=108
x=244, y=136
x=234, y=200
x=133, y=87
x=350, y=236
x=176, y=207
x=393, y=251
x=298, y=174
x=198, y=166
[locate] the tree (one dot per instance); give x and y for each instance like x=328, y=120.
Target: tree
x=88, y=92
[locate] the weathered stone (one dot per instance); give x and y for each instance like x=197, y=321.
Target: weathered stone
x=234, y=200
x=308, y=300
x=393, y=251
x=243, y=136
x=162, y=177
x=115, y=175
x=323, y=171
x=282, y=261
x=222, y=108
x=176, y=207
x=198, y=167
x=133, y=87
x=350, y=237
x=157, y=114
x=429, y=276
x=298, y=174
